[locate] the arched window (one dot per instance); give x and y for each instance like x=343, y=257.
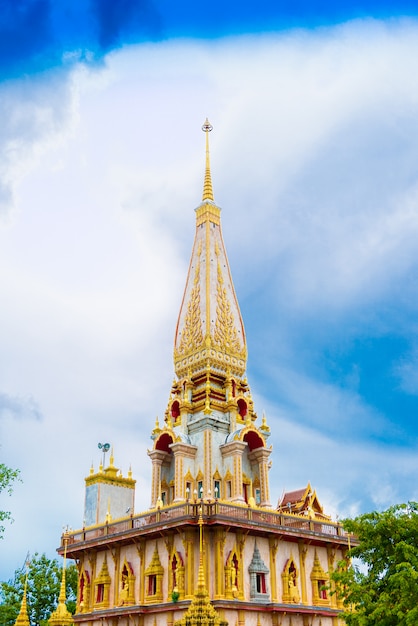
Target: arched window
x=242, y=407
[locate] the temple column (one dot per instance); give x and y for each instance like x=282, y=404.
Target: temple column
x=331, y=557
x=235, y=449
x=141, y=569
x=158, y=457
x=273, y=547
x=220, y=537
x=261, y=456
x=189, y=577
x=181, y=451
x=302, y=558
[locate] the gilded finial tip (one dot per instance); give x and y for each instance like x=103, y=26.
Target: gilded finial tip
x=207, y=126
x=207, y=184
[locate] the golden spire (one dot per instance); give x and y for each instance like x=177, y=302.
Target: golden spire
x=207, y=184
x=264, y=426
x=209, y=322
x=23, y=618
x=201, y=587
x=201, y=612
x=61, y=616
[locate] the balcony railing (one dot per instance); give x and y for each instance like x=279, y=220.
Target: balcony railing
x=211, y=511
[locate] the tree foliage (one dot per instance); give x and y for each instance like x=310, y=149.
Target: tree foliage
x=381, y=587
x=8, y=477
x=44, y=582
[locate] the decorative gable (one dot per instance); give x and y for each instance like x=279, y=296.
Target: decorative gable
x=302, y=502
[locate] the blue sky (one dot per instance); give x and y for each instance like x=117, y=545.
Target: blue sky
x=314, y=163
x=37, y=34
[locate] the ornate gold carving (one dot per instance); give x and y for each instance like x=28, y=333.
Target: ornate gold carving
x=127, y=584
x=192, y=335
x=225, y=333
x=290, y=582
x=84, y=588
x=176, y=574
x=233, y=571
x=102, y=587
x=217, y=359
x=154, y=576
x=319, y=580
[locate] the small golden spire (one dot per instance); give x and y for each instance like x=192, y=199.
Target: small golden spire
x=264, y=426
x=23, y=618
x=156, y=431
x=201, y=612
x=207, y=185
x=61, y=616
x=200, y=522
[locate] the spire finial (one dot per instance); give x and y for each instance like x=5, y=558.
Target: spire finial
x=207, y=185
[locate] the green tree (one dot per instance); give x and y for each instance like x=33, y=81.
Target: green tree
x=44, y=582
x=8, y=477
x=380, y=587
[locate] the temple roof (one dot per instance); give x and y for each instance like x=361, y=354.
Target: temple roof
x=210, y=330
x=303, y=502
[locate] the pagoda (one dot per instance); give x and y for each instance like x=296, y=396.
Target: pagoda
x=211, y=537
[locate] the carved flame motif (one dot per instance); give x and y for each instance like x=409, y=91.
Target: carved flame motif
x=192, y=336
x=225, y=333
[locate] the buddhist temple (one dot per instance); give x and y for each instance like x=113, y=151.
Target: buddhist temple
x=211, y=548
